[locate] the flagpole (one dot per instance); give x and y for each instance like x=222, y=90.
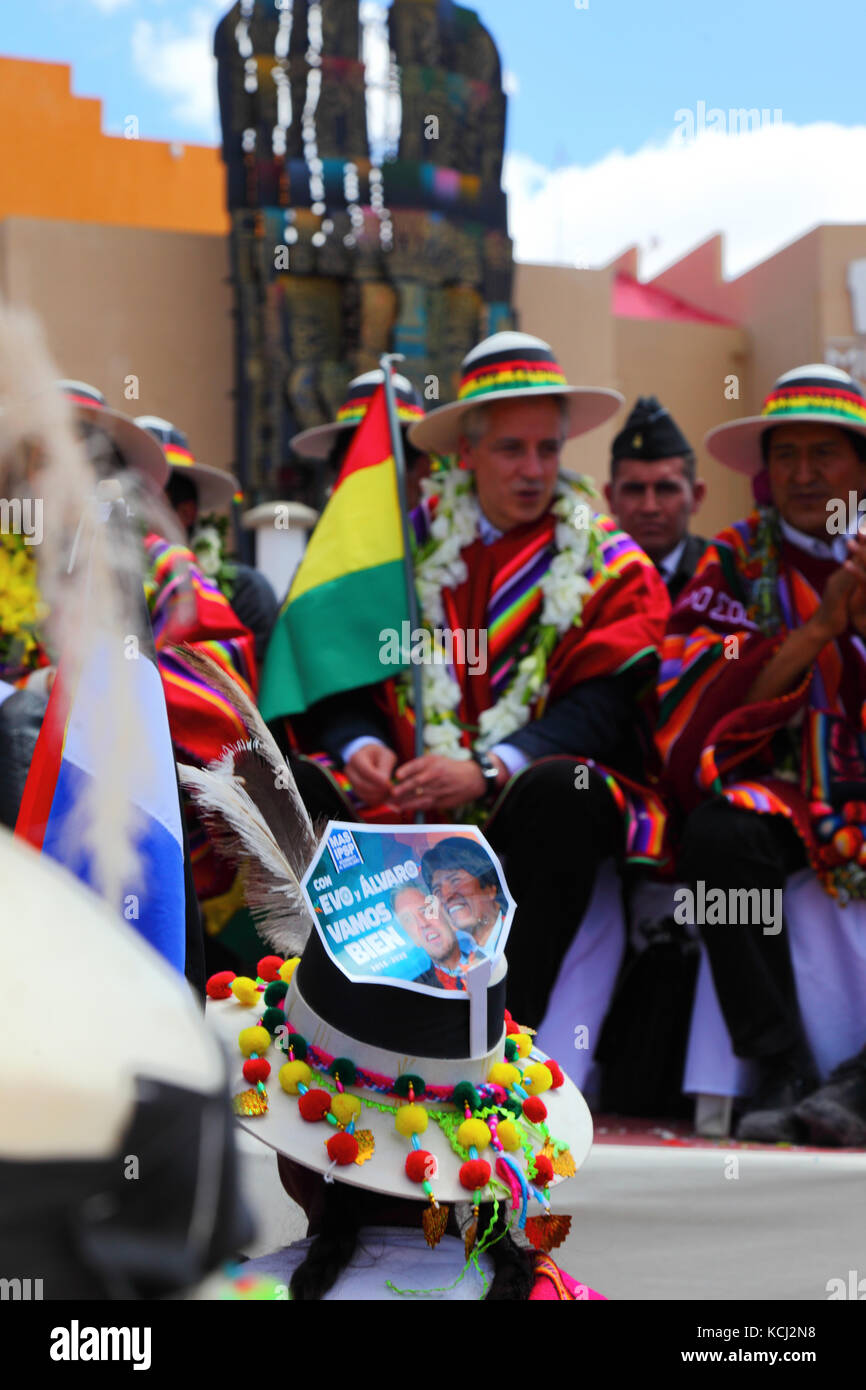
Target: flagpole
x=408, y=568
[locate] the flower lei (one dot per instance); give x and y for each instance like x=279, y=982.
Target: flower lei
x=22, y=609
x=207, y=543
x=564, y=587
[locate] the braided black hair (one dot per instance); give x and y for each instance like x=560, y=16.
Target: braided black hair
x=343, y=1212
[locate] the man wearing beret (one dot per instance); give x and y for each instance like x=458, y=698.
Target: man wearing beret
x=653, y=491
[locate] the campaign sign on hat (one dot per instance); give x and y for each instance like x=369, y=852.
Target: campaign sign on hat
x=423, y=908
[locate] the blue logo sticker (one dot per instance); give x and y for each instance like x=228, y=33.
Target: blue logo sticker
x=343, y=850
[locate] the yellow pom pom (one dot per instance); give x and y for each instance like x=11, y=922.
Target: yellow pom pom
x=473, y=1133
x=411, y=1119
x=252, y=1040
x=524, y=1043
x=288, y=968
x=245, y=990
x=294, y=1073
x=503, y=1074
x=345, y=1107
x=536, y=1078
x=509, y=1134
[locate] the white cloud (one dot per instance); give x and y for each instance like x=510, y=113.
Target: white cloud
x=762, y=189
x=109, y=6
x=179, y=62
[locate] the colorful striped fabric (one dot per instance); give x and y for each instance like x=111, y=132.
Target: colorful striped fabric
x=185, y=607
x=621, y=626
x=802, y=754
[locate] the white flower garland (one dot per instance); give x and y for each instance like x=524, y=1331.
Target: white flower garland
x=563, y=587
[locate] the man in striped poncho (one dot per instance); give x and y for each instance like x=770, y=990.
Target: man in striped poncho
x=761, y=729
x=542, y=621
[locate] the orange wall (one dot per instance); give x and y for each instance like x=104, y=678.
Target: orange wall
x=55, y=162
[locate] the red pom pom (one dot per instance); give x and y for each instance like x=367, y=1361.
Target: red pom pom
x=342, y=1148
x=257, y=1069
x=421, y=1166
x=543, y=1171
x=534, y=1109
x=269, y=968
x=314, y=1105
x=555, y=1071
x=511, y=1027
x=475, y=1174
x=219, y=986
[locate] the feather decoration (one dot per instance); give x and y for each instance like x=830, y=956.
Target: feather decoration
x=232, y=690
x=275, y=856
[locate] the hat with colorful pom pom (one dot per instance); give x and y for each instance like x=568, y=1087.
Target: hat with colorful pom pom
x=378, y=1088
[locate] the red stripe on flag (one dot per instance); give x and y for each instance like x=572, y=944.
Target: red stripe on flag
x=44, y=771
x=372, y=442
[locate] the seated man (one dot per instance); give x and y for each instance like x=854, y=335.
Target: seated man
x=653, y=491
x=763, y=685
x=568, y=614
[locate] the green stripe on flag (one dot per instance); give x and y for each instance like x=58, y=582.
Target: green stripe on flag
x=329, y=639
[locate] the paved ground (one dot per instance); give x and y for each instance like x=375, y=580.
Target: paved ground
x=662, y=1220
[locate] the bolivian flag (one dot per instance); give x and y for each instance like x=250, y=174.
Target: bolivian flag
x=349, y=587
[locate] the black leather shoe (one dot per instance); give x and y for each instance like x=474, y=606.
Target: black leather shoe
x=771, y=1117
x=835, y=1114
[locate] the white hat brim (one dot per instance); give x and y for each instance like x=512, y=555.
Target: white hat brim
x=737, y=444
x=283, y=1130
x=588, y=407
x=216, y=488
x=318, y=442
x=139, y=448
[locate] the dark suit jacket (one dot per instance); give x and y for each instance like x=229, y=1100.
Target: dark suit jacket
x=695, y=547
x=600, y=718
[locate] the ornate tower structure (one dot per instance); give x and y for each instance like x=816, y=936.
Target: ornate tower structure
x=364, y=162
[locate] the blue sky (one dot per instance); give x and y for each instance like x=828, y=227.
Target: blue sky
x=595, y=96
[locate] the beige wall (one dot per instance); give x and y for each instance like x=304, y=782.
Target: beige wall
x=570, y=309
x=120, y=301
x=686, y=365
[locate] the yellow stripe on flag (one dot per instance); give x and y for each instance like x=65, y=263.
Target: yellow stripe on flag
x=359, y=528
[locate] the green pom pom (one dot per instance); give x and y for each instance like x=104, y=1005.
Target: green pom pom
x=276, y=992
x=464, y=1094
x=511, y=1050
x=345, y=1068
x=297, y=1044
x=272, y=1019
x=513, y=1104
x=402, y=1084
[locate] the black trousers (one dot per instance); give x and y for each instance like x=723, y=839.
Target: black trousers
x=727, y=847
x=551, y=837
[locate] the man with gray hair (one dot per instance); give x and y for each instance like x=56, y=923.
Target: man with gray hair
x=546, y=747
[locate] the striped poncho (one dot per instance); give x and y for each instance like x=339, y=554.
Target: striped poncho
x=186, y=607
x=801, y=755
x=620, y=628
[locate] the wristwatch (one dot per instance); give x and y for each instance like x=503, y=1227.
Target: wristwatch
x=490, y=773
